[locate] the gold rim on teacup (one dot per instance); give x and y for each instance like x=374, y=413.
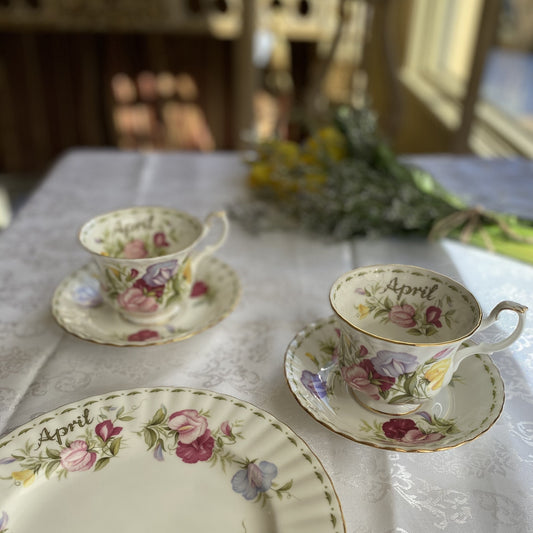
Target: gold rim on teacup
x=402, y=330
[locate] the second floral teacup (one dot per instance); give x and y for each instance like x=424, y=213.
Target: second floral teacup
x=147, y=258
x=402, y=333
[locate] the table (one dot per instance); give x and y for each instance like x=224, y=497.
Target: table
x=485, y=485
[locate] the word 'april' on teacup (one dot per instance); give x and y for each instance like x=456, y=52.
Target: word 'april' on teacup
x=147, y=258
x=402, y=333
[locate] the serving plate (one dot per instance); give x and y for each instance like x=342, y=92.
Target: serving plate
x=165, y=460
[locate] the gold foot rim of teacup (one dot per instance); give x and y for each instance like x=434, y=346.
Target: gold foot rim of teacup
x=147, y=320
x=412, y=407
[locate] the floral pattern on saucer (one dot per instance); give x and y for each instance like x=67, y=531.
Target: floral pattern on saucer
x=464, y=410
x=240, y=457
x=78, y=307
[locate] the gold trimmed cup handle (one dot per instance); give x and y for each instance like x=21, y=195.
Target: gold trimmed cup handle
x=212, y=248
x=491, y=347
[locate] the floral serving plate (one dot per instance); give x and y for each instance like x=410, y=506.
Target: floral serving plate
x=461, y=412
x=78, y=307
x=163, y=459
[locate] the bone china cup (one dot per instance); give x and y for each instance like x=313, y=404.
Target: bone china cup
x=147, y=258
x=402, y=330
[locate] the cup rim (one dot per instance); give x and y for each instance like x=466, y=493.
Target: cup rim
x=400, y=342
x=140, y=260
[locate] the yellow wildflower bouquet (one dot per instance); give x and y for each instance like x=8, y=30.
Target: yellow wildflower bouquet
x=344, y=180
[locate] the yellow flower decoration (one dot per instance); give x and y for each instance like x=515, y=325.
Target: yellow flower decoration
x=435, y=374
x=260, y=174
x=363, y=310
x=334, y=142
x=187, y=271
x=288, y=153
x=313, y=182
x=313, y=358
x=26, y=477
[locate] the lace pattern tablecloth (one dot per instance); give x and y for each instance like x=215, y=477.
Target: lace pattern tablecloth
x=485, y=485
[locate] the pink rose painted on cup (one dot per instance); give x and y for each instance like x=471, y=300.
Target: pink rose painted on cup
x=105, y=430
x=148, y=290
x=135, y=250
x=134, y=300
x=364, y=377
x=189, y=424
x=77, y=457
x=433, y=316
x=160, y=239
x=403, y=315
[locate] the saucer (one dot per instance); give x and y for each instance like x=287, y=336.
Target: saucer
x=78, y=307
x=463, y=411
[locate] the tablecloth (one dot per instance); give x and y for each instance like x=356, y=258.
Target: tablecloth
x=485, y=485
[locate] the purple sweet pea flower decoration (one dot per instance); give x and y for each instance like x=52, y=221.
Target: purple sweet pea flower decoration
x=425, y=415
x=158, y=274
x=394, y=364
x=313, y=384
x=253, y=479
x=158, y=452
x=87, y=295
x=3, y=521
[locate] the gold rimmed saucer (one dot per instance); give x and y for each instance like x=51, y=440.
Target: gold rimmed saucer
x=77, y=306
x=463, y=411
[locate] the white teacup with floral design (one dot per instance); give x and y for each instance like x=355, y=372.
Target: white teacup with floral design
x=402, y=333
x=147, y=258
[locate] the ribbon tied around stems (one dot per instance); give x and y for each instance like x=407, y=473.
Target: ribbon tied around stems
x=472, y=220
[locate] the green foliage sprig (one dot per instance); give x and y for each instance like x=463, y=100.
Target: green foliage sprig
x=345, y=181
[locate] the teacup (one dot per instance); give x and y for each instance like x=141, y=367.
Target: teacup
x=402, y=330
x=147, y=258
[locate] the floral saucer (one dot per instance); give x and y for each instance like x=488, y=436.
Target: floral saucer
x=463, y=411
x=78, y=307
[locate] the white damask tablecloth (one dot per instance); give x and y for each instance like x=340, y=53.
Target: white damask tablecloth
x=485, y=485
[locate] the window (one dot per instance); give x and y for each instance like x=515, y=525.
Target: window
x=471, y=63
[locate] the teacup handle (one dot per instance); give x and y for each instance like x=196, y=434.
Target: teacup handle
x=211, y=248
x=491, y=347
